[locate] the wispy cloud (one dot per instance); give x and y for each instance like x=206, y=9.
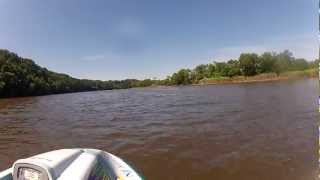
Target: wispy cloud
x=106, y=56
x=304, y=46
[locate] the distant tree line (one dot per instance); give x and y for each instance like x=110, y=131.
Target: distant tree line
x=22, y=77
x=248, y=64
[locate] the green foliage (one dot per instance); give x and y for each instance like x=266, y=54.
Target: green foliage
x=182, y=77
x=22, y=77
x=233, y=68
x=200, y=72
x=299, y=64
x=283, y=62
x=249, y=64
x=267, y=62
x=211, y=70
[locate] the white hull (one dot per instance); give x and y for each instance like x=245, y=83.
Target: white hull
x=67, y=164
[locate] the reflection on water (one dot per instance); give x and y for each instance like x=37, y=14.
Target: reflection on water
x=248, y=132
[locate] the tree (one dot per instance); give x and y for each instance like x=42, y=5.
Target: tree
x=201, y=71
x=23, y=77
x=182, y=77
x=248, y=64
x=211, y=70
x=267, y=62
x=220, y=67
x=234, y=68
x=283, y=62
x=299, y=64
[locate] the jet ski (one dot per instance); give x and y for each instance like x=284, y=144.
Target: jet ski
x=71, y=164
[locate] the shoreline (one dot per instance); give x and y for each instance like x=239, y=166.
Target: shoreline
x=266, y=77
x=226, y=82
x=230, y=82
x=251, y=81
x=261, y=78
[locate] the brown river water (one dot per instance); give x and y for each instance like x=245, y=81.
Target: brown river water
x=264, y=131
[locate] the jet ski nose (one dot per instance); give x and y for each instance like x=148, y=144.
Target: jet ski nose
x=66, y=164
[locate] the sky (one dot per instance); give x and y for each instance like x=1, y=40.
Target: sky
x=119, y=39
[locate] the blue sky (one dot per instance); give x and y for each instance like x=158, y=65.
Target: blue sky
x=101, y=39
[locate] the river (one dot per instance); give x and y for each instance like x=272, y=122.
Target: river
x=263, y=131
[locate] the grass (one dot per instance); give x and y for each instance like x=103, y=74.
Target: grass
x=305, y=73
x=309, y=73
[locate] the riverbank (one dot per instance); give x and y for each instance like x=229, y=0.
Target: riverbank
x=265, y=77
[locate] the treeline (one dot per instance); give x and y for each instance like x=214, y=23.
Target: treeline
x=248, y=64
x=22, y=77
